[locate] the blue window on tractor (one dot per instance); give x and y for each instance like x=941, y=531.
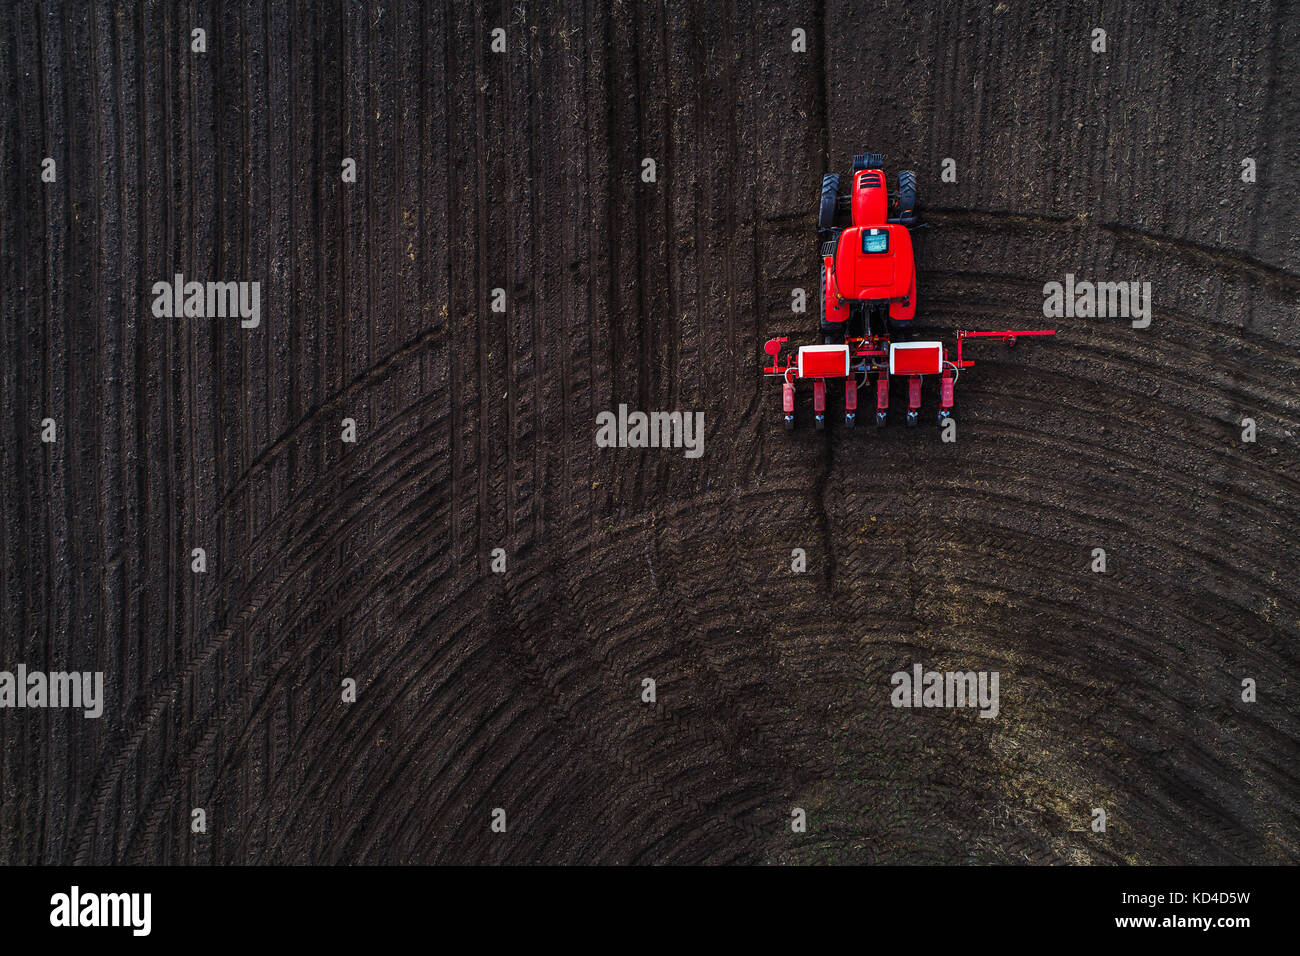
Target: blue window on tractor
x=875, y=240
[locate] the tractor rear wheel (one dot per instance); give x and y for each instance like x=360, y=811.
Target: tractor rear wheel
x=906, y=195
x=830, y=194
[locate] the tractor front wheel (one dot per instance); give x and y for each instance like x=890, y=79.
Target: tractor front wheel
x=907, y=196
x=830, y=195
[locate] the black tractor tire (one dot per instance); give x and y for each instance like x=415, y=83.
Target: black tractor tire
x=830, y=194
x=907, y=196
x=868, y=161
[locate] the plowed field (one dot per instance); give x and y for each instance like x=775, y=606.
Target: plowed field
x=522, y=171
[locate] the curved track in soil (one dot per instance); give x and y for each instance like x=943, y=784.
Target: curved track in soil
x=520, y=171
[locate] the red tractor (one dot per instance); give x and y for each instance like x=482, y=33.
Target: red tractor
x=868, y=303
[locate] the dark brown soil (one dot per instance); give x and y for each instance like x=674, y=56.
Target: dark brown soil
x=476, y=430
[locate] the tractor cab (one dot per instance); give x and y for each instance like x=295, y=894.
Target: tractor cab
x=870, y=267
x=874, y=263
